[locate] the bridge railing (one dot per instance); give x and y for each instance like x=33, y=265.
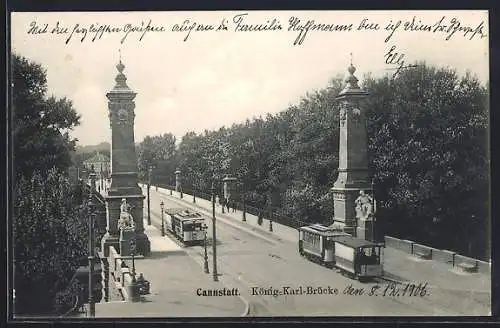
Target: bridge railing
x=274, y=214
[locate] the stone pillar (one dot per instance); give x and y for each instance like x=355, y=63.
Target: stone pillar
x=229, y=187
x=124, y=177
x=353, y=173
x=178, y=180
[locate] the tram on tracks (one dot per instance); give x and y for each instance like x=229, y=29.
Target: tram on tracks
x=354, y=257
x=186, y=225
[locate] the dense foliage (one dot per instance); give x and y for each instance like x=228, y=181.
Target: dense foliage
x=41, y=124
x=49, y=235
x=428, y=142
x=156, y=152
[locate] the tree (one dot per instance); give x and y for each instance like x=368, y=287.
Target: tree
x=50, y=237
x=155, y=151
x=41, y=125
x=428, y=140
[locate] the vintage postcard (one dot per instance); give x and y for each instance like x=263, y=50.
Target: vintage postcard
x=250, y=164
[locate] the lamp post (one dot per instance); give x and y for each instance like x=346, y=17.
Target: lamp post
x=205, y=262
x=149, y=201
x=102, y=178
x=214, y=238
x=223, y=202
x=132, y=252
x=244, y=205
x=162, y=221
x=193, y=183
x=271, y=221
x=373, y=210
x=91, y=255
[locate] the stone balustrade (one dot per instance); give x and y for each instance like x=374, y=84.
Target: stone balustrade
x=445, y=256
x=120, y=272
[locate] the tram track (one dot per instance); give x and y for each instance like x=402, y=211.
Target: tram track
x=220, y=219
x=236, y=271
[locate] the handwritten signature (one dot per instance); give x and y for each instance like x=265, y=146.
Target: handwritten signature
x=396, y=58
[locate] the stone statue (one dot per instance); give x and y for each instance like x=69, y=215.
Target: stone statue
x=126, y=221
x=364, y=205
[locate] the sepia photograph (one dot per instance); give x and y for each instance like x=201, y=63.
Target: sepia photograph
x=249, y=164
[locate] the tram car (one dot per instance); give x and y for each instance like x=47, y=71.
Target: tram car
x=354, y=257
x=315, y=243
x=185, y=225
x=358, y=258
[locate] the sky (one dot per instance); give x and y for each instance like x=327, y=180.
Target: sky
x=217, y=78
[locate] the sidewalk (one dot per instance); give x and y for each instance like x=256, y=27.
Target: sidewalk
x=442, y=275
x=174, y=278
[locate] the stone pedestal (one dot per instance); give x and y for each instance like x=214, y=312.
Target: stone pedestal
x=112, y=236
x=365, y=229
x=126, y=237
x=344, y=210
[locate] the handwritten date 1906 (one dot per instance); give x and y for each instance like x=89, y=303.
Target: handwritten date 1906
x=390, y=290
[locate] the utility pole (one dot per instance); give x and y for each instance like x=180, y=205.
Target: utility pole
x=244, y=204
x=205, y=262
x=149, y=201
x=193, y=183
x=214, y=238
x=162, y=220
x=373, y=210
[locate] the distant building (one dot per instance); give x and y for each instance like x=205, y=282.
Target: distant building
x=101, y=164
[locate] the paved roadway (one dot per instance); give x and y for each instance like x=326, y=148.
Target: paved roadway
x=247, y=259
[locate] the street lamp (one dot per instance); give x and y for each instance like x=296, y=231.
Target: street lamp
x=132, y=252
x=223, y=203
x=205, y=262
x=162, y=221
x=150, y=168
x=244, y=204
x=271, y=221
x=214, y=238
x=373, y=210
x=102, y=178
x=193, y=183
x=91, y=255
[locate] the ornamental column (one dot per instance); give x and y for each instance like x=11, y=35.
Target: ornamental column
x=353, y=173
x=124, y=177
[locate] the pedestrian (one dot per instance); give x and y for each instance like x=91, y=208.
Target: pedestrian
x=227, y=204
x=259, y=217
x=233, y=205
